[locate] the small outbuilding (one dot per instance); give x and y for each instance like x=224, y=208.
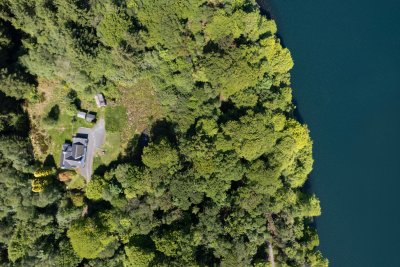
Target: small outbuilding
x=86, y=116
x=81, y=115
x=90, y=117
x=100, y=101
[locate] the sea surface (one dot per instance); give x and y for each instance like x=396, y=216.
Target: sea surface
x=346, y=83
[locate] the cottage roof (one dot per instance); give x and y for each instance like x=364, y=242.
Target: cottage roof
x=73, y=155
x=77, y=151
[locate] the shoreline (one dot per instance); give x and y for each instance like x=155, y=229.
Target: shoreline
x=266, y=10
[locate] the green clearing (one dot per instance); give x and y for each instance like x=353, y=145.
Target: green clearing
x=125, y=117
x=115, y=118
x=62, y=129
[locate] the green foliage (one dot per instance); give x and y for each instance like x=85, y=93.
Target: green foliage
x=316, y=259
x=95, y=187
x=251, y=25
x=67, y=213
x=89, y=239
x=132, y=180
x=211, y=183
x=309, y=206
x=15, y=150
x=113, y=27
x=66, y=256
x=251, y=136
x=163, y=21
x=176, y=244
x=12, y=85
x=137, y=257
x=160, y=154
x=77, y=182
x=77, y=199
x=208, y=126
x=18, y=245
x=26, y=235
x=236, y=71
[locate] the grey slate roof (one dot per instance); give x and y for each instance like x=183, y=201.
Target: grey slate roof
x=86, y=116
x=77, y=151
x=90, y=117
x=74, y=155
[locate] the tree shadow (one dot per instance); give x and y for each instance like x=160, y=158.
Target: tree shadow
x=9, y=55
x=136, y=146
x=83, y=4
x=266, y=10
x=73, y=98
x=163, y=129
x=231, y=112
x=296, y=112
x=212, y=47
x=133, y=154
x=8, y=106
x=49, y=161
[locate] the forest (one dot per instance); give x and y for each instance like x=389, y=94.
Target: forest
x=204, y=162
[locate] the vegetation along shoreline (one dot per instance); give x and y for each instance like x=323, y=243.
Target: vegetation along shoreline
x=198, y=159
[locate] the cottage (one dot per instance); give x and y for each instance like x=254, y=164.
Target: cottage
x=100, y=101
x=74, y=155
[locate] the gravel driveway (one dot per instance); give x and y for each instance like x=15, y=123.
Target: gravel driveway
x=96, y=137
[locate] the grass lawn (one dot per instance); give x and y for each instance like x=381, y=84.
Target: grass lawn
x=48, y=136
x=63, y=131
x=111, y=148
x=116, y=119
x=134, y=110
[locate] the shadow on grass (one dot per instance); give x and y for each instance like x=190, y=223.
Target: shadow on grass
x=50, y=162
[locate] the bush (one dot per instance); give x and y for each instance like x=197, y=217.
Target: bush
x=52, y=116
x=54, y=113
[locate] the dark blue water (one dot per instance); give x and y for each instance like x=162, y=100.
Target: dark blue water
x=346, y=81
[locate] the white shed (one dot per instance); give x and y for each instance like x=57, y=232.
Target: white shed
x=100, y=101
x=81, y=115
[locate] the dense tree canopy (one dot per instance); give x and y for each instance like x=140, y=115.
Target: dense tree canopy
x=217, y=180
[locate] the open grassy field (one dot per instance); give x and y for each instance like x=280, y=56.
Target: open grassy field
x=142, y=107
